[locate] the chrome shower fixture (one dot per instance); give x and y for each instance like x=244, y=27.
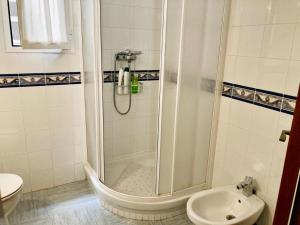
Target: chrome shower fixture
x=127, y=55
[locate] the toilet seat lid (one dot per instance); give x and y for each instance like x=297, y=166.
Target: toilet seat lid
x=9, y=184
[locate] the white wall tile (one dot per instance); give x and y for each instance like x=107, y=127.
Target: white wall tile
x=40, y=160
x=38, y=140
x=63, y=156
x=238, y=119
x=296, y=47
x=120, y=38
x=250, y=12
x=247, y=142
x=233, y=40
x=272, y=75
x=60, y=117
x=131, y=24
x=42, y=179
x=58, y=96
x=229, y=70
x=12, y=144
x=298, y=13
x=147, y=3
x=283, y=11
x=36, y=120
x=107, y=60
x=266, y=123
x=247, y=71
x=11, y=122
x=80, y=156
x=26, y=139
x=33, y=98
x=278, y=41
x=16, y=163
x=26, y=62
x=250, y=40
x=79, y=172
x=62, y=137
x=64, y=174
x=10, y=99
x=292, y=81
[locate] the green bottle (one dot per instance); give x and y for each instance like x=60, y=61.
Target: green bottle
x=135, y=84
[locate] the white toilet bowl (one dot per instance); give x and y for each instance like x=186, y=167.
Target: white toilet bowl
x=10, y=193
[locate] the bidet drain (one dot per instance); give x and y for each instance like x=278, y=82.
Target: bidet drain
x=230, y=217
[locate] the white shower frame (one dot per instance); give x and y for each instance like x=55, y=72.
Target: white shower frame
x=160, y=206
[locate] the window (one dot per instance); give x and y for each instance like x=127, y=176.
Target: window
x=12, y=32
x=13, y=23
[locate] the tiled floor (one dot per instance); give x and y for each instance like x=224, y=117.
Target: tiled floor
x=73, y=204
x=137, y=179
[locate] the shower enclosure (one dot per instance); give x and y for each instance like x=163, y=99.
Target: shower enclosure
x=150, y=118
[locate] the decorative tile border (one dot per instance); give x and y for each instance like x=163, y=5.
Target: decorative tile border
x=39, y=79
x=264, y=98
x=9, y=80
x=144, y=75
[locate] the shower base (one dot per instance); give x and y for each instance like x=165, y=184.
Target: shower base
x=135, y=175
x=137, y=207
x=137, y=179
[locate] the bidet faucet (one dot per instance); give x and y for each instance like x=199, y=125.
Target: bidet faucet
x=247, y=186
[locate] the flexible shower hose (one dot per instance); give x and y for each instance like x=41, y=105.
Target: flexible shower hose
x=114, y=88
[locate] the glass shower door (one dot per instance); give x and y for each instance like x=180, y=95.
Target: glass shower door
x=130, y=139
x=184, y=151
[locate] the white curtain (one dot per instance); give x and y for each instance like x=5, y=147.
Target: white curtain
x=43, y=24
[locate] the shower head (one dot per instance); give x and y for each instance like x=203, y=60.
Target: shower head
x=127, y=55
x=129, y=52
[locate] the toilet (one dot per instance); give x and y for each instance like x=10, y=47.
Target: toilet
x=10, y=193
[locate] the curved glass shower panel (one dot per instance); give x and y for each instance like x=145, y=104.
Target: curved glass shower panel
x=201, y=34
x=131, y=34
x=172, y=31
x=90, y=83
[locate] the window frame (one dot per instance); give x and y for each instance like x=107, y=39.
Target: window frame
x=8, y=39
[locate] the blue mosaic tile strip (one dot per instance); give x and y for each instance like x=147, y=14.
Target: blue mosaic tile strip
x=39, y=79
x=268, y=99
x=143, y=75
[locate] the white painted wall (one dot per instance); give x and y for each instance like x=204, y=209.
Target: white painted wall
x=42, y=135
x=264, y=52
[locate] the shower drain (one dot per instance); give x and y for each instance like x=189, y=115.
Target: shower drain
x=230, y=217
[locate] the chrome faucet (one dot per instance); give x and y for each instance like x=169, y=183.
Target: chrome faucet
x=247, y=186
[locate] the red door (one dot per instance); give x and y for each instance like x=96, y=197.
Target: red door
x=289, y=191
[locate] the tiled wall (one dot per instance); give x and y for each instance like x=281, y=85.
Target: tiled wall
x=136, y=132
x=131, y=24
x=136, y=25
x=263, y=54
x=42, y=135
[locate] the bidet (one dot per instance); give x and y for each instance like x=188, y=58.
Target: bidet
x=224, y=206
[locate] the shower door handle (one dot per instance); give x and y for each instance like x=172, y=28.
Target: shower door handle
x=284, y=134
x=174, y=77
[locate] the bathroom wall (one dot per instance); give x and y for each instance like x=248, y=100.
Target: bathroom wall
x=263, y=56
x=135, y=25
x=132, y=24
x=42, y=135
x=135, y=133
